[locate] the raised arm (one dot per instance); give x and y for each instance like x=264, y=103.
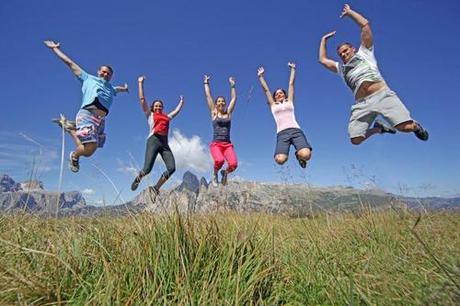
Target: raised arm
x=142, y=100
x=207, y=91
x=291, y=82
x=123, y=88
x=231, y=105
x=177, y=109
x=260, y=74
x=56, y=49
x=323, y=59
x=367, y=39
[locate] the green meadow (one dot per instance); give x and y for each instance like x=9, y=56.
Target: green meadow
x=369, y=258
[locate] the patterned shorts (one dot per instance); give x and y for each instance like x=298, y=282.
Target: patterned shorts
x=90, y=127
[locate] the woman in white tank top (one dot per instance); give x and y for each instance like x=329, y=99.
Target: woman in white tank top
x=287, y=129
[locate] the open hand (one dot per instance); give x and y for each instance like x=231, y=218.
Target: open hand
x=346, y=10
x=260, y=71
x=231, y=80
x=329, y=35
x=51, y=44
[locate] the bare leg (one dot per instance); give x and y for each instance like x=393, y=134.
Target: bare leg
x=160, y=182
x=370, y=132
x=304, y=154
x=281, y=158
x=413, y=126
x=407, y=127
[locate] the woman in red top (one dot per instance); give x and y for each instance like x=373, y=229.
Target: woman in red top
x=157, y=141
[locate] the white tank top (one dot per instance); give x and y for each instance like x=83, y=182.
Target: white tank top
x=284, y=115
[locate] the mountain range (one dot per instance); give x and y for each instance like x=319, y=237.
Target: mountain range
x=197, y=196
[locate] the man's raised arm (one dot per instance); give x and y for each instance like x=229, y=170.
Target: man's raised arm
x=323, y=59
x=367, y=39
x=56, y=49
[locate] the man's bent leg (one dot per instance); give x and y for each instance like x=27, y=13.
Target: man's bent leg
x=407, y=126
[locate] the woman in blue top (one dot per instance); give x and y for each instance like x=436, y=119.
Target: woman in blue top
x=88, y=131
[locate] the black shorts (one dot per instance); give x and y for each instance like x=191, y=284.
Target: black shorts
x=288, y=137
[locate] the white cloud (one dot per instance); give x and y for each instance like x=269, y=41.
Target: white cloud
x=126, y=169
x=190, y=153
x=88, y=191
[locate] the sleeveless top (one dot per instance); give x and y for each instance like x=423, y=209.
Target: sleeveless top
x=284, y=116
x=221, y=129
x=159, y=124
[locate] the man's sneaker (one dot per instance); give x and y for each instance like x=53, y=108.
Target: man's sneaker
x=384, y=128
x=421, y=133
x=215, y=179
x=136, y=183
x=74, y=164
x=67, y=124
x=224, y=174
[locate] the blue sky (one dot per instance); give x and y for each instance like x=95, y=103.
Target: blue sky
x=175, y=42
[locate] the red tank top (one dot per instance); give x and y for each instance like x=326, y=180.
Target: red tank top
x=160, y=124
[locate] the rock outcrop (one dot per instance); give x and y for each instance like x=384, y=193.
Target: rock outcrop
x=189, y=182
x=32, y=185
x=30, y=197
x=7, y=184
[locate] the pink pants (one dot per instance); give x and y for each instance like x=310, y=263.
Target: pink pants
x=222, y=151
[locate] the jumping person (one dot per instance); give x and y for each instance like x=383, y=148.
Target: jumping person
x=287, y=129
x=221, y=147
x=157, y=140
x=88, y=130
x=372, y=95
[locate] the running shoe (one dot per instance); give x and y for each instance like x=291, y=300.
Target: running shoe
x=74, y=164
x=215, y=179
x=136, y=183
x=421, y=133
x=302, y=163
x=224, y=174
x=67, y=124
x=384, y=128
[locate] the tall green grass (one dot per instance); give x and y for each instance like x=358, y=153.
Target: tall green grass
x=231, y=259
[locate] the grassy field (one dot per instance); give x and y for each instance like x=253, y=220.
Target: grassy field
x=229, y=259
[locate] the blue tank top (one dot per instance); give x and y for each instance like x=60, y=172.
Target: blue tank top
x=221, y=129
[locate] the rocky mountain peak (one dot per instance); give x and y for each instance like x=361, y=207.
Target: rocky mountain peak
x=190, y=182
x=7, y=184
x=32, y=185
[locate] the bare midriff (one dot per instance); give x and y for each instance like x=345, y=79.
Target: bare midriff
x=368, y=88
x=100, y=112
x=97, y=111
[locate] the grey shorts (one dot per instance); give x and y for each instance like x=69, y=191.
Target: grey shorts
x=384, y=102
x=288, y=137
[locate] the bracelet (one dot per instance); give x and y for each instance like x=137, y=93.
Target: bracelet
x=232, y=86
x=206, y=83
